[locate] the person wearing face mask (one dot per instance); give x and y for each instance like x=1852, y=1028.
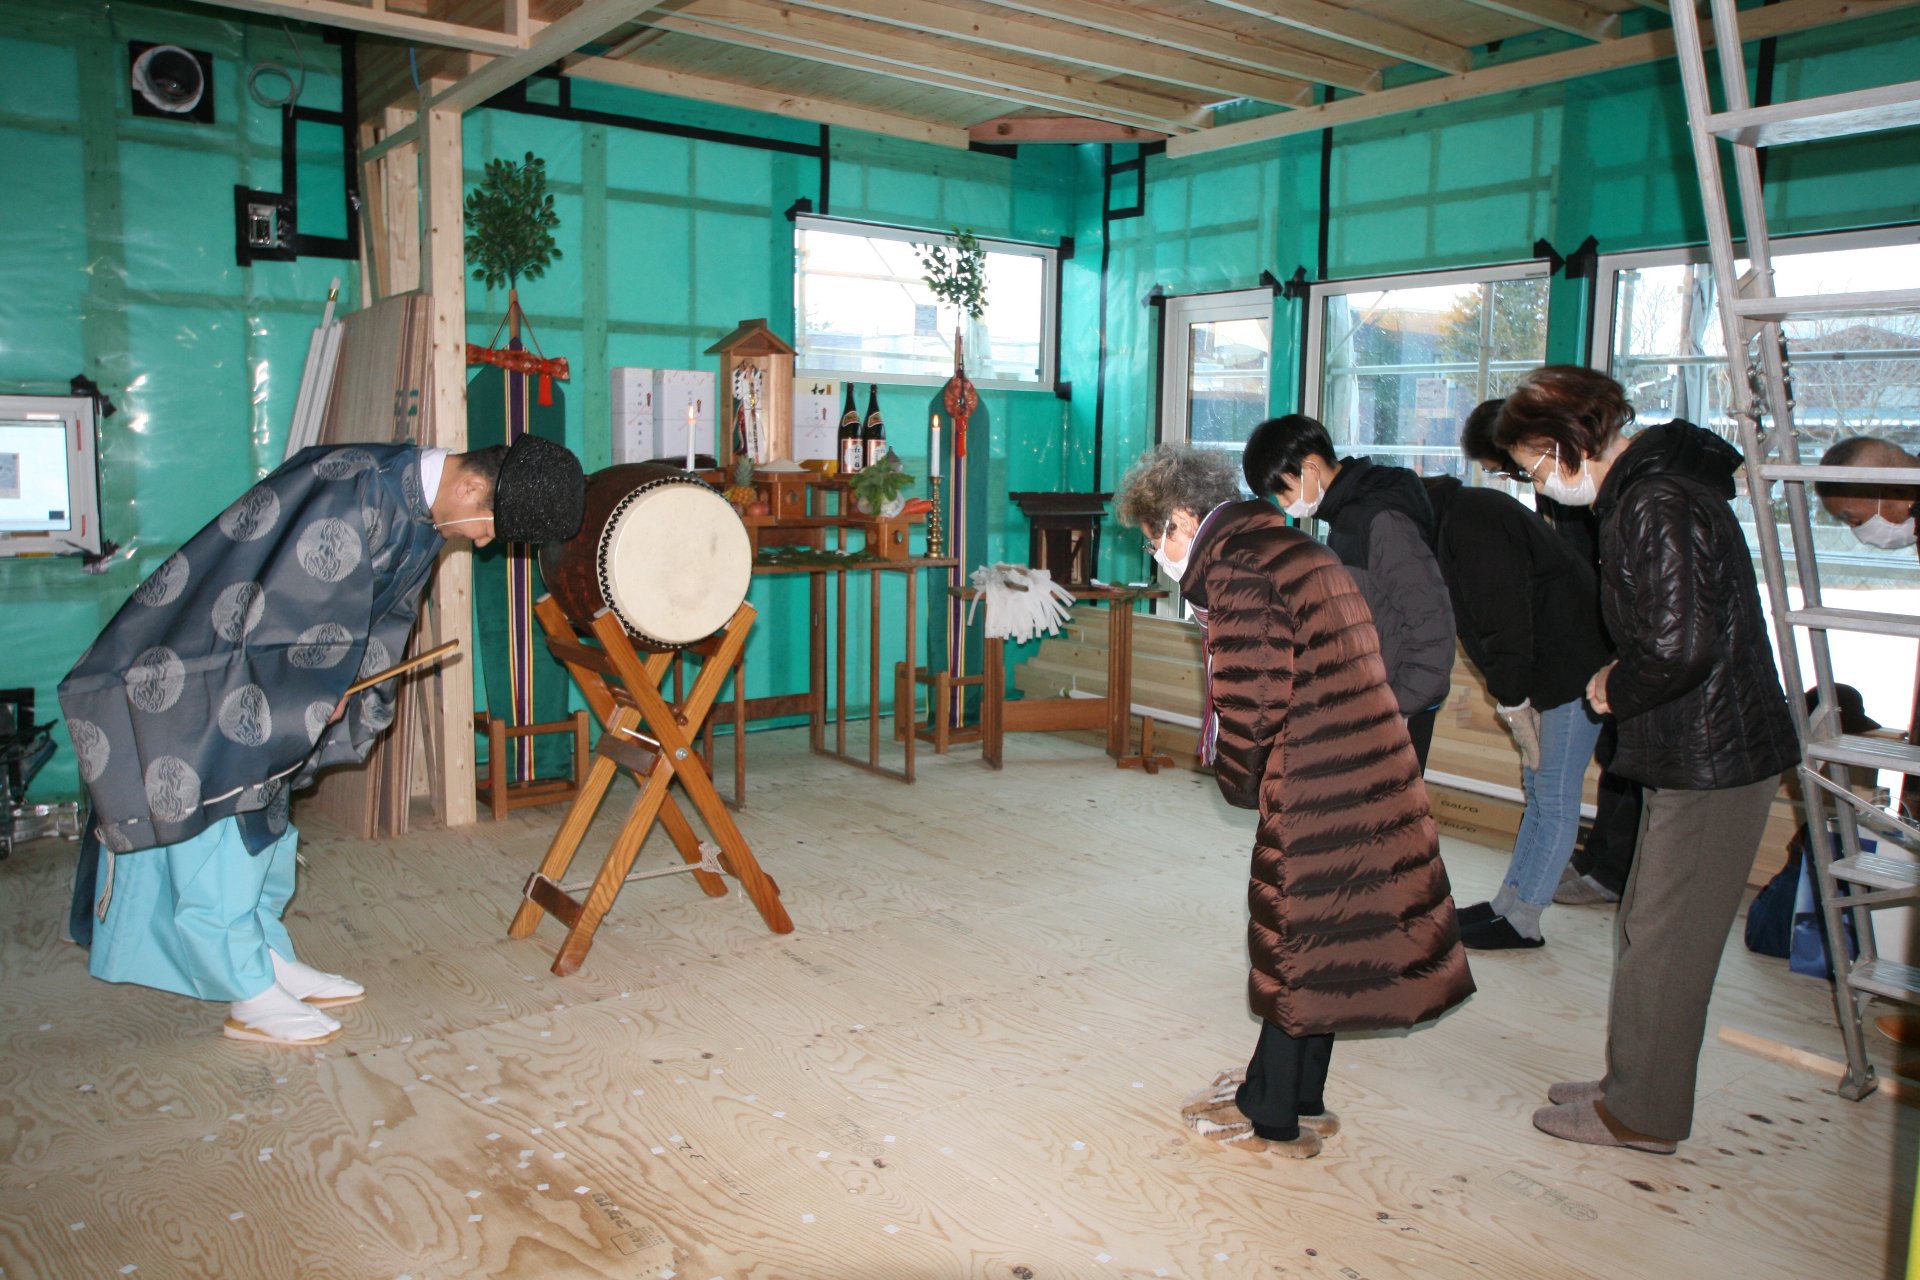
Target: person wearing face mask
x=1703, y=726
x=1351, y=917
x=1380, y=523
x=220, y=687
x=1881, y=516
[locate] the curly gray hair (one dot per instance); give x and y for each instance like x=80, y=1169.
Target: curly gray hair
x=1175, y=477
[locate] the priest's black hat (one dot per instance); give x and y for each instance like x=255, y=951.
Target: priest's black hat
x=540, y=493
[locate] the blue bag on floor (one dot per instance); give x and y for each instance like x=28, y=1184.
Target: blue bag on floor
x=1808, y=953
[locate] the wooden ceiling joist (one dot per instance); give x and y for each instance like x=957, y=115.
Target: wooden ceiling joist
x=1350, y=26
x=590, y=20
x=865, y=47
x=382, y=22
x=732, y=93
x=1183, y=35
x=1119, y=54
x=1558, y=15
x=1755, y=24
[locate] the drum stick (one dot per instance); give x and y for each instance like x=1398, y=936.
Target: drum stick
x=431, y=655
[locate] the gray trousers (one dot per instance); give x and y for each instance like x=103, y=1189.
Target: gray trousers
x=1696, y=848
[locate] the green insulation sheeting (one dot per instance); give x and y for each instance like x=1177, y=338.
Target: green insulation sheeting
x=119, y=263
x=1473, y=183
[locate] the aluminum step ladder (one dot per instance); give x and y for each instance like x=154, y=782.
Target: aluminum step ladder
x=1851, y=883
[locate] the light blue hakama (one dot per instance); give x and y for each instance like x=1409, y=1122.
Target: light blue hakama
x=198, y=917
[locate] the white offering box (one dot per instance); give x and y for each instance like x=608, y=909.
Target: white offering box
x=636, y=427
x=674, y=391
x=816, y=418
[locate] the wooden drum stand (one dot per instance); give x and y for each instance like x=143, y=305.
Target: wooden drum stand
x=653, y=738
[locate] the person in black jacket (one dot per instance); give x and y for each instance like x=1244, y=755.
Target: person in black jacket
x=1380, y=524
x=1528, y=614
x=1703, y=727
x=1598, y=873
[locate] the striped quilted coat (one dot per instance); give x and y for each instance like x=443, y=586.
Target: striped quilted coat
x=1352, y=925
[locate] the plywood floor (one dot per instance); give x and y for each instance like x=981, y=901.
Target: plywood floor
x=965, y=1062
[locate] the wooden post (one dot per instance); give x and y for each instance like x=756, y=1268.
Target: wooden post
x=443, y=275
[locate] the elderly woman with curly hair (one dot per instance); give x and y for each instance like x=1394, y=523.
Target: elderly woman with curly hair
x=1703, y=726
x=1351, y=922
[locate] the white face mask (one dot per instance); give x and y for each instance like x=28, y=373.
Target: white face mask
x=1300, y=508
x=1570, y=493
x=1883, y=534
x=1173, y=568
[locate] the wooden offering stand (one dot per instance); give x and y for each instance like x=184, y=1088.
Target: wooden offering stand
x=652, y=738
x=806, y=504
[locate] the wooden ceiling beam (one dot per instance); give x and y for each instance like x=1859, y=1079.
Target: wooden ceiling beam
x=546, y=44
x=1136, y=23
x=1350, y=26
x=733, y=93
x=998, y=92
x=805, y=34
x=1014, y=130
x=381, y=22
x=1570, y=16
x=1119, y=54
x=1653, y=46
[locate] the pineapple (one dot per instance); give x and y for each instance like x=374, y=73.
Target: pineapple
x=741, y=492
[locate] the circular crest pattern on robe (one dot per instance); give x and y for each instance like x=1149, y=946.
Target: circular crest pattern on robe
x=321, y=646
x=237, y=610
x=329, y=549
x=156, y=679
x=164, y=585
x=343, y=464
x=90, y=746
x=173, y=788
x=253, y=516
x=246, y=717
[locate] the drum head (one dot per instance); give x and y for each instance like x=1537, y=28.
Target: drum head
x=675, y=562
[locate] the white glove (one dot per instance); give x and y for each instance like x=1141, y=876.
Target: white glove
x=1523, y=722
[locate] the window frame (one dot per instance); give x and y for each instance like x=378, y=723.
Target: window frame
x=1608, y=266
x=1179, y=312
x=1049, y=256
x=1314, y=348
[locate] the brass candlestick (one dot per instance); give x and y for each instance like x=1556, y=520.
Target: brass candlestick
x=936, y=537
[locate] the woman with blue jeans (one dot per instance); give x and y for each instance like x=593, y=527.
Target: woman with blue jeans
x=1527, y=612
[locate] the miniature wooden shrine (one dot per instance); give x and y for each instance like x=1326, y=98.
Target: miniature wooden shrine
x=1064, y=534
x=755, y=395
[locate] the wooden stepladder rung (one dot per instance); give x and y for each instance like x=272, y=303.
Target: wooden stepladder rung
x=652, y=738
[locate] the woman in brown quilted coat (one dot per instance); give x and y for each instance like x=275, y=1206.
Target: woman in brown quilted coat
x=1351, y=920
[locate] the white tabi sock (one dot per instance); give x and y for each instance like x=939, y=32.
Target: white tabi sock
x=303, y=982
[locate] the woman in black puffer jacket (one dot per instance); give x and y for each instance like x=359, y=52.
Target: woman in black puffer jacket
x=1703, y=726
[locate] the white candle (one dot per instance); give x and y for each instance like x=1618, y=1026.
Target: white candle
x=933, y=447
x=693, y=416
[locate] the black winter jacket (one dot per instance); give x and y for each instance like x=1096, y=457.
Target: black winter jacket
x=1694, y=691
x=1380, y=524
x=1525, y=604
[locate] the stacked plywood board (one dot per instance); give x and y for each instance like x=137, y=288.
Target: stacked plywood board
x=1473, y=769
x=379, y=395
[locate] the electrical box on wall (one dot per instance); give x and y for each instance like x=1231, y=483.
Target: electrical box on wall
x=265, y=229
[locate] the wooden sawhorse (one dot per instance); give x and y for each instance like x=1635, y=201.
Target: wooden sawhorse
x=654, y=740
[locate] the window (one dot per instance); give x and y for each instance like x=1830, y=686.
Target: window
x=862, y=308
x=1216, y=352
x=1852, y=375
x=1395, y=364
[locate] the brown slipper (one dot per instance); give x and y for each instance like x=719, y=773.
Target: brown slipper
x=1575, y=1091
x=1304, y=1147
x=1326, y=1124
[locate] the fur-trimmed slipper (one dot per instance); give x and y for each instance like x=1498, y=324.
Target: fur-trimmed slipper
x=1326, y=1124
x=275, y=1017
x=1304, y=1147
x=304, y=982
x=1225, y=1088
